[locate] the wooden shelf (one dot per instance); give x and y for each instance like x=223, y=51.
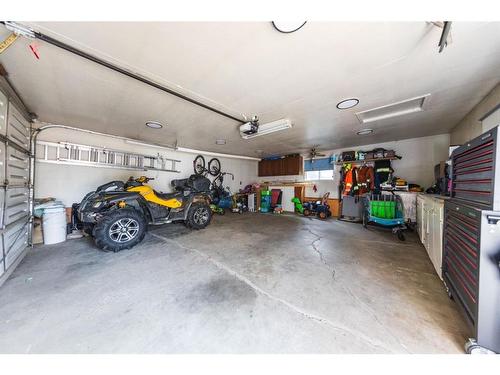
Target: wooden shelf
x=364, y=161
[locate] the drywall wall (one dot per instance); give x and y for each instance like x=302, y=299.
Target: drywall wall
x=70, y=183
x=419, y=156
x=471, y=126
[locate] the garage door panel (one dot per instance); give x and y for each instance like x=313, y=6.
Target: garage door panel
x=3, y=114
x=16, y=204
x=2, y=206
x=2, y=163
x=14, y=186
x=17, y=171
x=18, y=128
x=15, y=240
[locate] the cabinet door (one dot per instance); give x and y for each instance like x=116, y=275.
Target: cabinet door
x=265, y=168
x=419, y=218
x=291, y=165
x=277, y=167
x=438, y=237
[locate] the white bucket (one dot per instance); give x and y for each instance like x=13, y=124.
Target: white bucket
x=54, y=225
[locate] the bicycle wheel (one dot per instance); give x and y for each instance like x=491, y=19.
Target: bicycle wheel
x=214, y=166
x=199, y=165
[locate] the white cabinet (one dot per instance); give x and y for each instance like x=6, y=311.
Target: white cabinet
x=430, y=220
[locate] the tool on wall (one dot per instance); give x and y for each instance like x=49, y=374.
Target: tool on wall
x=75, y=154
x=8, y=42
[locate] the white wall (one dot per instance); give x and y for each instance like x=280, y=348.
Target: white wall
x=70, y=183
x=471, y=127
x=419, y=156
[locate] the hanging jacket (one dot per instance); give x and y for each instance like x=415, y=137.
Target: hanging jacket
x=350, y=185
x=365, y=179
x=383, y=171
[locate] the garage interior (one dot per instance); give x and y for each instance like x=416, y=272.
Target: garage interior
x=352, y=202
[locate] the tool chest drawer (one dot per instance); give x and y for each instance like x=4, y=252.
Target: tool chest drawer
x=461, y=251
x=16, y=204
x=475, y=166
x=18, y=129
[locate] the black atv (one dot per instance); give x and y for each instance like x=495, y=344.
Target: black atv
x=117, y=213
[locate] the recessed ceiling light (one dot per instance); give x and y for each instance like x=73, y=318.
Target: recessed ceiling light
x=365, y=132
x=288, y=27
x=154, y=125
x=220, y=141
x=348, y=103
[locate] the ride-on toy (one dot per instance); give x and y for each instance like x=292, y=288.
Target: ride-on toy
x=117, y=213
x=319, y=208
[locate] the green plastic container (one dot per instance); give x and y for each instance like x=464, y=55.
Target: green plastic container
x=265, y=192
x=383, y=209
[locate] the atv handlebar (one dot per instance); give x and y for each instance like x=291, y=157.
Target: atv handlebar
x=141, y=180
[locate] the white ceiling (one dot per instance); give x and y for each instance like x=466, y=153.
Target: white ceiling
x=250, y=68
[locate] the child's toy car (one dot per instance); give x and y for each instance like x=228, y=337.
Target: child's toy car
x=319, y=208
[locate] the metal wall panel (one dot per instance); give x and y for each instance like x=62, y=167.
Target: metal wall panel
x=16, y=204
x=2, y=267
x=3, y=113
x=17, y=171
x=15, y=240
x=18, y=129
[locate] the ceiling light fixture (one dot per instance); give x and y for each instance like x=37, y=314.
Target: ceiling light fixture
x=365, y=132
x=288, y=27
x=264, y=129
x=154, y=125
x=404, y=107
x=220, y=141
x=348, y=103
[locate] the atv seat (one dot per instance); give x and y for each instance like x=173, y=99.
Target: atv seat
x=167, y=196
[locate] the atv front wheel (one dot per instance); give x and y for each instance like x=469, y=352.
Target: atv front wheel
x=120, y=229
x=199, y=215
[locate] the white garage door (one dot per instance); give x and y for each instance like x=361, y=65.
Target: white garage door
x=14, y=186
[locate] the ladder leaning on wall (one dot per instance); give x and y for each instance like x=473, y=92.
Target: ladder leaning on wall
x=92, y=156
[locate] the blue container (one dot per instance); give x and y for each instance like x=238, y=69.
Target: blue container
x=265, y=203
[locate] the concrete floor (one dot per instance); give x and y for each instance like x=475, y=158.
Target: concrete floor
x=249, y=283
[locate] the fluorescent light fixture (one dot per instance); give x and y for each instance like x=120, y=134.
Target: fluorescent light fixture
x=132, y=142
x=288, y=27
x=268, y=128
x=154, y=125
x=348, y=103
x=404, y=107
x=364, y=132
x=220, y=141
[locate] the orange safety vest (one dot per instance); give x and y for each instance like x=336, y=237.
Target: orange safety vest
x=348, y=181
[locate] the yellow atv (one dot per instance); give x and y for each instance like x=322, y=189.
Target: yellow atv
x=117, y=213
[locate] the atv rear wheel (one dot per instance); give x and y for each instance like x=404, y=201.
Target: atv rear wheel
x=120, y=229
x=199, y=215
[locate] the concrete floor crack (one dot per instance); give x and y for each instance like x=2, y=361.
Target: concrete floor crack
x=374, y=315
x=320, y=254
x=272, y=297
